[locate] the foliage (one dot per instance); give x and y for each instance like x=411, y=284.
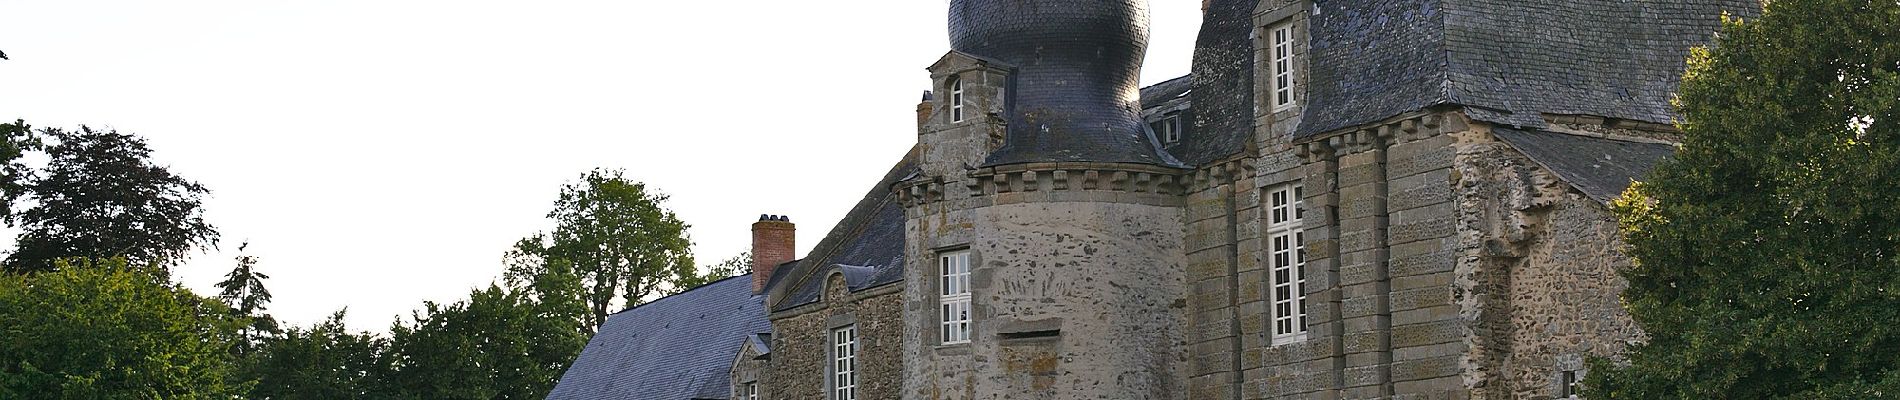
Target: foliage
x=730, y=267
x=243, y=290
x=624, y=246
x=99, y=329
x=101, y=196
x=1769, y=249
x=323, y=362
x=16, y=139
x=498, y=344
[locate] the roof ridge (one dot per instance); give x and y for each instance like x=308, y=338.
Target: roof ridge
x=1171, y=80
x=838, y=236
x=689, y=290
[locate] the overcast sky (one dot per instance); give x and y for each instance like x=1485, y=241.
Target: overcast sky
x=378, y=154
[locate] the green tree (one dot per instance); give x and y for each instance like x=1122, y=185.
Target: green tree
x=98, y=329
x=325, y=361
x=243, y=290
x=16, y=139
x=498, y=344
x=730, y=267
x=623, y=244
x=1768, y=250
x=100, y=195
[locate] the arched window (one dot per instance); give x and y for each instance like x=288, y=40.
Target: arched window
x=956, y=99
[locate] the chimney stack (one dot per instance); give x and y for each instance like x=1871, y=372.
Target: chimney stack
x=773, y=243
x=924, y=108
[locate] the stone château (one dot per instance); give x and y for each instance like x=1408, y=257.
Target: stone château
x=1346, y=199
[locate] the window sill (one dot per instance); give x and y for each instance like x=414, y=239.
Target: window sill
x=953, y=349
x=1288, y=340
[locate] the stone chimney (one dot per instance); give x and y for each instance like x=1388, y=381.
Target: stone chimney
x=924, y=109
x=774, y=241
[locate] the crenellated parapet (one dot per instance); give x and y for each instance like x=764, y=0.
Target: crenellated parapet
x=1407, y=128
x=1059, y=181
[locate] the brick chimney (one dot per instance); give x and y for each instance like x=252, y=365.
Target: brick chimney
x=773, y=243
x=924, y=108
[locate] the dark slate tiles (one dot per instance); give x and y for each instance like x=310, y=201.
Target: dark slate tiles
x=1166, y=91
x=1072, y=96
x=1601, y=168
x=868, y=244
x=1372, y=59
x=1612, y=58
x=1510, y=61
x=1222, y=97
x=676, y=348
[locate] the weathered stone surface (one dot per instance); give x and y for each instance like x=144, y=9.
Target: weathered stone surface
x=800, y=352
x=1112, y=273
x=1425, y=368
x=1423, y=258
x=1421, y=298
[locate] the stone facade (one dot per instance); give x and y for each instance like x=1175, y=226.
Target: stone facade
x=801, y=362
x=1435, y=260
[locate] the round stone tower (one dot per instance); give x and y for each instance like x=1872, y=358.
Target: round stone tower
x=1069, y=228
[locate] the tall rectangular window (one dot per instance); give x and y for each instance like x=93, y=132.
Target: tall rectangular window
x=1286, y=259
x=954, y=295
x=751, y=391
x=1280, y=43
x=844, y=358
x=956, y=99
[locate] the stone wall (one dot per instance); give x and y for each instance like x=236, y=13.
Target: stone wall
x=1540, y=273
x=801, y=350
x=748, y=369
x=1380, y=237
x=1076, y=282
x=1087, y=294
x=1226, y=284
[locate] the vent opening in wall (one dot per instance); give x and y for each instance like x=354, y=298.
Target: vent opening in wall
x=1037, y=334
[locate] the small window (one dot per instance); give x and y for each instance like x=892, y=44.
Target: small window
x=1286, y=256
x=954, y=295
x=956, y=99
x=1169, y=128
x=844, y=358
x=1280, y=43
x=1567, y=386
x=751, y=391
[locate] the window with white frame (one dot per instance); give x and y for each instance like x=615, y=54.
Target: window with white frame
x=1169, y=128
x=844, y=359
x=1280, y=44
x=953, y=295
x=751, y=391
x=956, y=99
x=1286, y=261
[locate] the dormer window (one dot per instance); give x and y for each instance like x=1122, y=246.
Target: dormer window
x=1280, y=44
x=956, y=99
x=1168, y=129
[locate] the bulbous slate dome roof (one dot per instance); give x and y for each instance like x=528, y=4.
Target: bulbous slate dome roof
x=1074, y=94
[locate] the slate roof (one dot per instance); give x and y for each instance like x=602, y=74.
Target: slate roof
x=1221, y=122
x=1601, y=168
x=679, y=347
x=1508, y=61
x=1077, y=68
x=1167, y=91
x=867, y=245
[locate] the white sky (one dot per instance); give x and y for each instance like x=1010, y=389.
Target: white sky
x=378, y=154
